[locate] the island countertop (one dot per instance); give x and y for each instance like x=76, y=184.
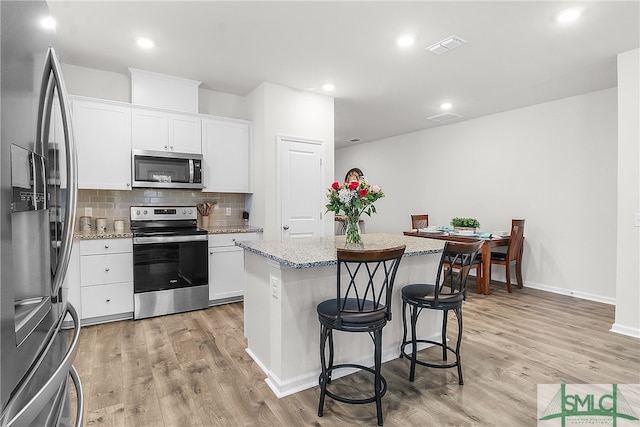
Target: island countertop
x=318, y=252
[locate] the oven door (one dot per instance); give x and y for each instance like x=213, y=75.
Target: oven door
x=169, y=262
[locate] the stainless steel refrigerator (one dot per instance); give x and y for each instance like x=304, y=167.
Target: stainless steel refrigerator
x=37, y=215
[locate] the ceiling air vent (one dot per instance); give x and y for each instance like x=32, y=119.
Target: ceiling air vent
x=444, y=117
x=446, y=45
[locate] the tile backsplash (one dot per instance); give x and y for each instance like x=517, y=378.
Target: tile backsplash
x=114, y=204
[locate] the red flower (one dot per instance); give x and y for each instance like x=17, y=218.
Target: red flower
x=363, y=193
x=353, y=185
x=335, y=185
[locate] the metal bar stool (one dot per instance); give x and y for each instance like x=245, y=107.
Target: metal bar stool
x=447, y=294
x=362, y=304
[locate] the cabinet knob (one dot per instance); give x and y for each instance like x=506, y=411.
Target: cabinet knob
x=166, y=147
x=108, y=299
x=171, y=147
x=233, y=240
x=128, y=184
x=106, y=269
x=210, y=253
x=286, y=227
x=106, y=246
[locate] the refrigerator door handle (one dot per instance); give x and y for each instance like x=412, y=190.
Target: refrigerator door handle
x=79, y=396
x=31, y=410
x=53, y=69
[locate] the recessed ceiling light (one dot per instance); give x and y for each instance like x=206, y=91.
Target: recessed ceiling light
x=145, y=43
x=48, y=23
x=446, y=106
x=328, y=87
x=354, y=140
x=569, y=15
x=405, y=40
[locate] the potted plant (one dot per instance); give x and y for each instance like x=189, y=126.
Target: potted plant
x=465, y=224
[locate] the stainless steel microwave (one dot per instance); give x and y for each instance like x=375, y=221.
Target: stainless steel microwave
x=160, y=169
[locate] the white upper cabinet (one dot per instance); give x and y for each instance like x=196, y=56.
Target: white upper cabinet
x=103, y=140
x=226, y=151
x=163, y=131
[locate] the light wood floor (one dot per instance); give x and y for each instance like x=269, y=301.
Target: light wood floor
x=191, y=369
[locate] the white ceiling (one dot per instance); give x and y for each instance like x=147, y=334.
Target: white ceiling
x=516, y=54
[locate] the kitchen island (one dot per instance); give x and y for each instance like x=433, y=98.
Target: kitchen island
x=284, y=282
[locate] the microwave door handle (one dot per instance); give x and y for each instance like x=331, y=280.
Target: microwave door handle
x=53, y=70
x=191, y=171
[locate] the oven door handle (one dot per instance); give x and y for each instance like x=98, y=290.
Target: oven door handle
x=169, y=239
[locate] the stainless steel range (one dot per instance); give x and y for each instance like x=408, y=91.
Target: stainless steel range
x=170, y=263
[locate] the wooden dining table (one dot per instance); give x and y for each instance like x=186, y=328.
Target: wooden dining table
x=489, y=243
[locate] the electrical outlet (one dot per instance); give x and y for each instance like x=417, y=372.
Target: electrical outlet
x=88, y=211
x=228, y=212
x=275, y=287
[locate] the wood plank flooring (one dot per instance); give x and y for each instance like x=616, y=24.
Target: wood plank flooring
x=191, y=369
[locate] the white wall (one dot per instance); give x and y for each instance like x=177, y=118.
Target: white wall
x=100, y=84
x=277, y=110
x=553, y=164
x=628, y=248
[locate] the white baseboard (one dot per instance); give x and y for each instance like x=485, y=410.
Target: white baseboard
x=309, y=380
x=570, y=292
x=625, y=330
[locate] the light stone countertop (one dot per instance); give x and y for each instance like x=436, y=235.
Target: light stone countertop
x=318, y=252
x=127, y=234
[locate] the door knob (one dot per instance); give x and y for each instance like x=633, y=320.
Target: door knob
x=286, y=227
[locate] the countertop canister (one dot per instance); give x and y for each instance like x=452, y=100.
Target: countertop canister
x=85, y=223
x=101, y=225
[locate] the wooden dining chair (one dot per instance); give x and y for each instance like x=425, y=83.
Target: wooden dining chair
x=419, y=221
x=513, y=254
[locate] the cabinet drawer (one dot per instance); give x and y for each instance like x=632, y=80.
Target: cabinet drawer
x=103, y=269
x=230, y=238
x=105, y=246
x=105, y=300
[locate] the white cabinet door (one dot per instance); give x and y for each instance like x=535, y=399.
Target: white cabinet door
x=185, y=134
x=226, y=150
x=162, y=131
x=226, y=272
x=103, y=140
x=149, y=130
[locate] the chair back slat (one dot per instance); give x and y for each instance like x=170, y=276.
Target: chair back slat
x=449, y=281
x=516, y=239
x=368, y=280
x=419, y=221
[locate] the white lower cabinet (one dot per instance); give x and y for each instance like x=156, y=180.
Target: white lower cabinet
x=226, y=266
x=106, y=279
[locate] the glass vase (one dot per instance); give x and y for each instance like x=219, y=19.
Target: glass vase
x=352, y=230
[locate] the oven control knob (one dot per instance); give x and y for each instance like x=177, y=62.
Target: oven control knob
x=138, y=212
x=184, y=211
x=144, y=212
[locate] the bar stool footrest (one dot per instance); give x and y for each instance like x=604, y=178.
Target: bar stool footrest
x=430, y=365
x=349, y=400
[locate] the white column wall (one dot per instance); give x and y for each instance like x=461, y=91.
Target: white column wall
x=553, y=164
x=277, y=110
x=628, y=236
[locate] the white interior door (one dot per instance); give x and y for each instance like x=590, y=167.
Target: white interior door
x=301, y=187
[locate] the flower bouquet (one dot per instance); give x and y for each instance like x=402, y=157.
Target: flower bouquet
x=353, y=198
